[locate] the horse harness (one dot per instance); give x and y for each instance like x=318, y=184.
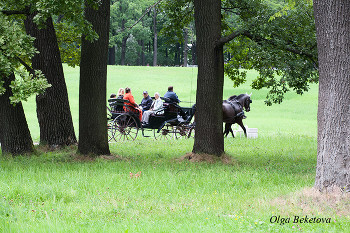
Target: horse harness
x=237, y=107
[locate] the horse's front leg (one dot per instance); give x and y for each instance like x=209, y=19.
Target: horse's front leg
x=240, y=123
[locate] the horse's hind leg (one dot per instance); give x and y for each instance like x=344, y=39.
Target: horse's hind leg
x=227, y=129
x=240, y=123
x=231, y=131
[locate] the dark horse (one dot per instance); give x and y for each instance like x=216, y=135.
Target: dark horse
x=233, y=112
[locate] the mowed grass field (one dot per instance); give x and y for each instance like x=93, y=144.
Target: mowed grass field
x=56, y=191
x=296, y=115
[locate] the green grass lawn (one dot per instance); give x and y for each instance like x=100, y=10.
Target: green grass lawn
x=296, y=115
x=56, y=191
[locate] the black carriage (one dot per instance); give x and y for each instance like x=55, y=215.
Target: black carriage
x=172, y=121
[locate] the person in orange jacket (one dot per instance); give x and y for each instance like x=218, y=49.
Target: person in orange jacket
x=133, y=105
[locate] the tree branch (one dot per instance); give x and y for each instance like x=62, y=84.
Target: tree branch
x=137, y=21
x=28, y=68
x=226, y=39
x=260, y=39
x=25, y=11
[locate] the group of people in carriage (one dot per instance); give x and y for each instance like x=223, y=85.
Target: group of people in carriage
x=147, y=107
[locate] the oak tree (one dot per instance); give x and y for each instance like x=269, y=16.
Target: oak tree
x=93, y=80
x=53, y=111
x=333, y=118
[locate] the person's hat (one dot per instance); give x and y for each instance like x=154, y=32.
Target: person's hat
x=145, y=92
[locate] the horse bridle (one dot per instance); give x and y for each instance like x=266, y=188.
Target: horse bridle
x=250, y=101
x=236, y=101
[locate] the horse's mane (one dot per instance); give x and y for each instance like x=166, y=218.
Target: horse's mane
x=235, y=97
x=240, y=96
x=232, y=97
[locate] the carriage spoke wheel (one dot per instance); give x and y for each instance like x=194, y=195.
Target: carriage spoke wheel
x=111, y=127
x=165, y=133
x=190, y=131
x=126, y=128
x=181, y=131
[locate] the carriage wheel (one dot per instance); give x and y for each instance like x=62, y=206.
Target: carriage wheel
x=111, y=127
x=125, y=128
x=167, y=132
x=181, y=131
x=191, y=132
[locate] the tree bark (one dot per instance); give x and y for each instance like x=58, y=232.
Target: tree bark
x=333, y=119
x=166, y=57
x=53, y=111
x=194, y=54
x=155, y=39
x=15, y=135
x=185, y=47
x=111, y=55
x=123, y=51
x=93, y=80
x=209, y=138
x=143, y=60
x=177, y=54
x=138, y=60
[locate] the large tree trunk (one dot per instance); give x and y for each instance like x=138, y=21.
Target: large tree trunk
x=111, y=55
x=123, y=51
x=141, y=55
x=333, y=42
x=14, y=136
x=194, y=53
x=93, y=80
x=177, y=57
x=53, y=111
x=209, y=138
x=185, y=47
x=138, y=60
x=155, y=39
x=143, y=60
x=166, y=57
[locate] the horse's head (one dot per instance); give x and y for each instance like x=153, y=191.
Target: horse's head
x=246, y=102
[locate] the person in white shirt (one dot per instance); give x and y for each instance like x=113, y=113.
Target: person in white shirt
x=157, y=106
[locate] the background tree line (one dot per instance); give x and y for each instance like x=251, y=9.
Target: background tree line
x=148, y=42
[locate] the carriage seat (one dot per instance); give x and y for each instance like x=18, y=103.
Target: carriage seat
x=118, y=104
x=169, y=107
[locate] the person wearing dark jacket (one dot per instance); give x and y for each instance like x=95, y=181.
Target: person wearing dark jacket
x=146, y=102
x=171, y=96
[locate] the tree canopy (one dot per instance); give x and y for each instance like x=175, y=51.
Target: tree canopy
x=282, y=49
x=273, y=37
x=16, y=50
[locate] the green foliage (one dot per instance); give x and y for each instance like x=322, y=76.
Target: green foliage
x=14, y=44
x=179, y=15
x=26, y=85
x=277, y=39
x=124, y=14
x=69, y=41
x=16, y=48
x=71, y=25
x=283, y=50
x=19, y=47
